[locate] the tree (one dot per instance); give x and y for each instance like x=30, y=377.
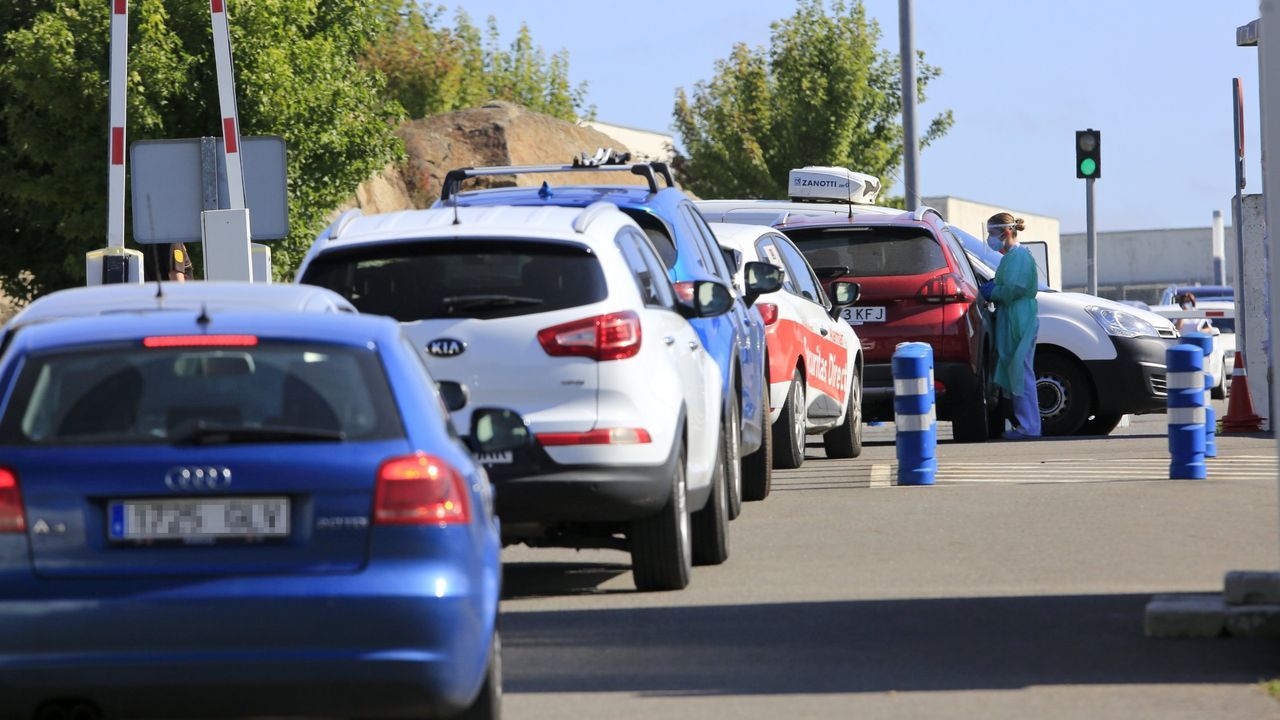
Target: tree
x=821, y=94
x=433, y=69
x=297, y=76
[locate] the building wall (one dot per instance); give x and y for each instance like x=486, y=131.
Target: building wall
x=972, y=217
x=1131, y=262
x=645, y=145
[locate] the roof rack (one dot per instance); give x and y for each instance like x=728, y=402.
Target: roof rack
x=649, y=171
x=343, y=221
x=589, y=215
x=923, y=210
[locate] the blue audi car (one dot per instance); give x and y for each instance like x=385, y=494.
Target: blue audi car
x=208, y=514
x=691, y=253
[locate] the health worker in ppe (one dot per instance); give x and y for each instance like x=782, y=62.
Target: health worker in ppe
x=1014, y=293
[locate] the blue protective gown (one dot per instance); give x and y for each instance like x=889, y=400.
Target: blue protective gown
x=1017, y=323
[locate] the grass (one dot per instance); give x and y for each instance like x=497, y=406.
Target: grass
x=1272, y=688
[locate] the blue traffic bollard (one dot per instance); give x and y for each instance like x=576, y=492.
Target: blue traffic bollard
x=1205, y=343
x=914, y=414
x=1185, y=381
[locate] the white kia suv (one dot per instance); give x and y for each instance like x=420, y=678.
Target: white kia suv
x=567, y=316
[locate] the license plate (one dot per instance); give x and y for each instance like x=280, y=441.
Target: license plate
x=495, y=458
x=199, y=519
x=859, y=315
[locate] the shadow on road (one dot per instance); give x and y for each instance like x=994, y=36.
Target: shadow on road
x=530, y=580
x=864, y=646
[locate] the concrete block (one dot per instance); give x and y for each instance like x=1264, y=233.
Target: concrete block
x=1185, y=616
x=1254, y=621
x=1252, y=587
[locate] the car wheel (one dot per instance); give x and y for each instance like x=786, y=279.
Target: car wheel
x=661, y=545
x=757, y=468
x=970, y=416
x=488, y=704
x=1219, y=392
x=1064, y=396
x=733, y=467
x=789, y=431
x=1100, y=425
x=711, y=523
x=845, y=441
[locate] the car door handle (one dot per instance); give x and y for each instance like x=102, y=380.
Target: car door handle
x=693, y=345
x=669, y=340
x=823, y=331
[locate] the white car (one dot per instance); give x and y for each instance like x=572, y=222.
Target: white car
x=191, y=297
x=1216, y=318
x=565, y=315
x=815, y=358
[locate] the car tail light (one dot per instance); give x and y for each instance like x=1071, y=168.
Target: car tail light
x=12, y=519
x=946, y=289
x=419, y=489
x=768, y=312
x=170, y=341
x=684, y=290
x=615, y=336
x=603, y=436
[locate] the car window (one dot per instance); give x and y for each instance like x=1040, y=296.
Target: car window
x=657, y=232
x=871, y=251
x=719, y=266
x=475, y=278
x=136, y=394
x=650, y=283
x=799, y=271
x=704, y=253
x=768, y=252
x=658, y=270
x=960, y=257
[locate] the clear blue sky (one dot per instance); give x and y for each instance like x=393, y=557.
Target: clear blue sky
x=1021, y=76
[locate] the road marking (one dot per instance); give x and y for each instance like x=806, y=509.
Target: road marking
x=821, y=474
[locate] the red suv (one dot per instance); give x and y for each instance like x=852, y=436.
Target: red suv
x=917, y=286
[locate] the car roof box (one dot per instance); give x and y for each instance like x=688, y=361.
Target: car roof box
x=832, y=184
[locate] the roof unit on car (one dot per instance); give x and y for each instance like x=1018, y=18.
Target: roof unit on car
x=600, y=162
x=832, y=184
x=589, y=215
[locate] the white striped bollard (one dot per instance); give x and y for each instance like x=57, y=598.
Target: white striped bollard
x=914, y=414
x=1186, y=412
x=1205, y=343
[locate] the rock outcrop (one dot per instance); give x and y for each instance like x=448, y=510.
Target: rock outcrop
x=499, y=133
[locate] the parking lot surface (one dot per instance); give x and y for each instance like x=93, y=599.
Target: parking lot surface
x=1014, y=588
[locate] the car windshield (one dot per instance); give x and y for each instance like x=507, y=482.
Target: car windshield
x=870, y=251
x=461, y=279
x=268, y=392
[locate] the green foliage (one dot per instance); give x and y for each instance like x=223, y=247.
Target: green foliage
x=432, y=69
x=297, y=76
x=821, y=94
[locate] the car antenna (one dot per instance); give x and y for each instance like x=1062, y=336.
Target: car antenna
x=203, y=318
x=159, y=285
x=848, y=192
x=455, y=210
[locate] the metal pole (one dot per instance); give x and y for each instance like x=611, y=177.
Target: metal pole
x=1237, y=210
x=910, y=145
x=1092, y=235
x=1269, y=84
x=118, y=112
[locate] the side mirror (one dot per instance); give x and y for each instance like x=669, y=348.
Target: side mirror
x=495, y=430
x=703, y=298
x=454, y=395
x=843, y=294
x=762, y=279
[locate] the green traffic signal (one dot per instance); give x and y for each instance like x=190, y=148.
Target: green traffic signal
x=1088, y=167
x=1089, y=154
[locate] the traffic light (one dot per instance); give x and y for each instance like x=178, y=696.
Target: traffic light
x=1088, y=154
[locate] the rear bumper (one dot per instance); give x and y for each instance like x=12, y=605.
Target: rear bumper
x=877, y=389
x=1134, y=381
x=397, y=640
x=536, y=489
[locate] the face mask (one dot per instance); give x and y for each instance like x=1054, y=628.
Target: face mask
x=995, y=243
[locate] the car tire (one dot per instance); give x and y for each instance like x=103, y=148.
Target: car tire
x=733, y=468
x=1063, y=394
x=711, y=523
x=757, y=468
x=789, y=431
x=1100, y=424
x=661, y=545
x=1219, y=392
x=845, y=441
x=488, y=704
x=970, y=414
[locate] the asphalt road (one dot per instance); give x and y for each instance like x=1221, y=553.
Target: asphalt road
x=1014, y=588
